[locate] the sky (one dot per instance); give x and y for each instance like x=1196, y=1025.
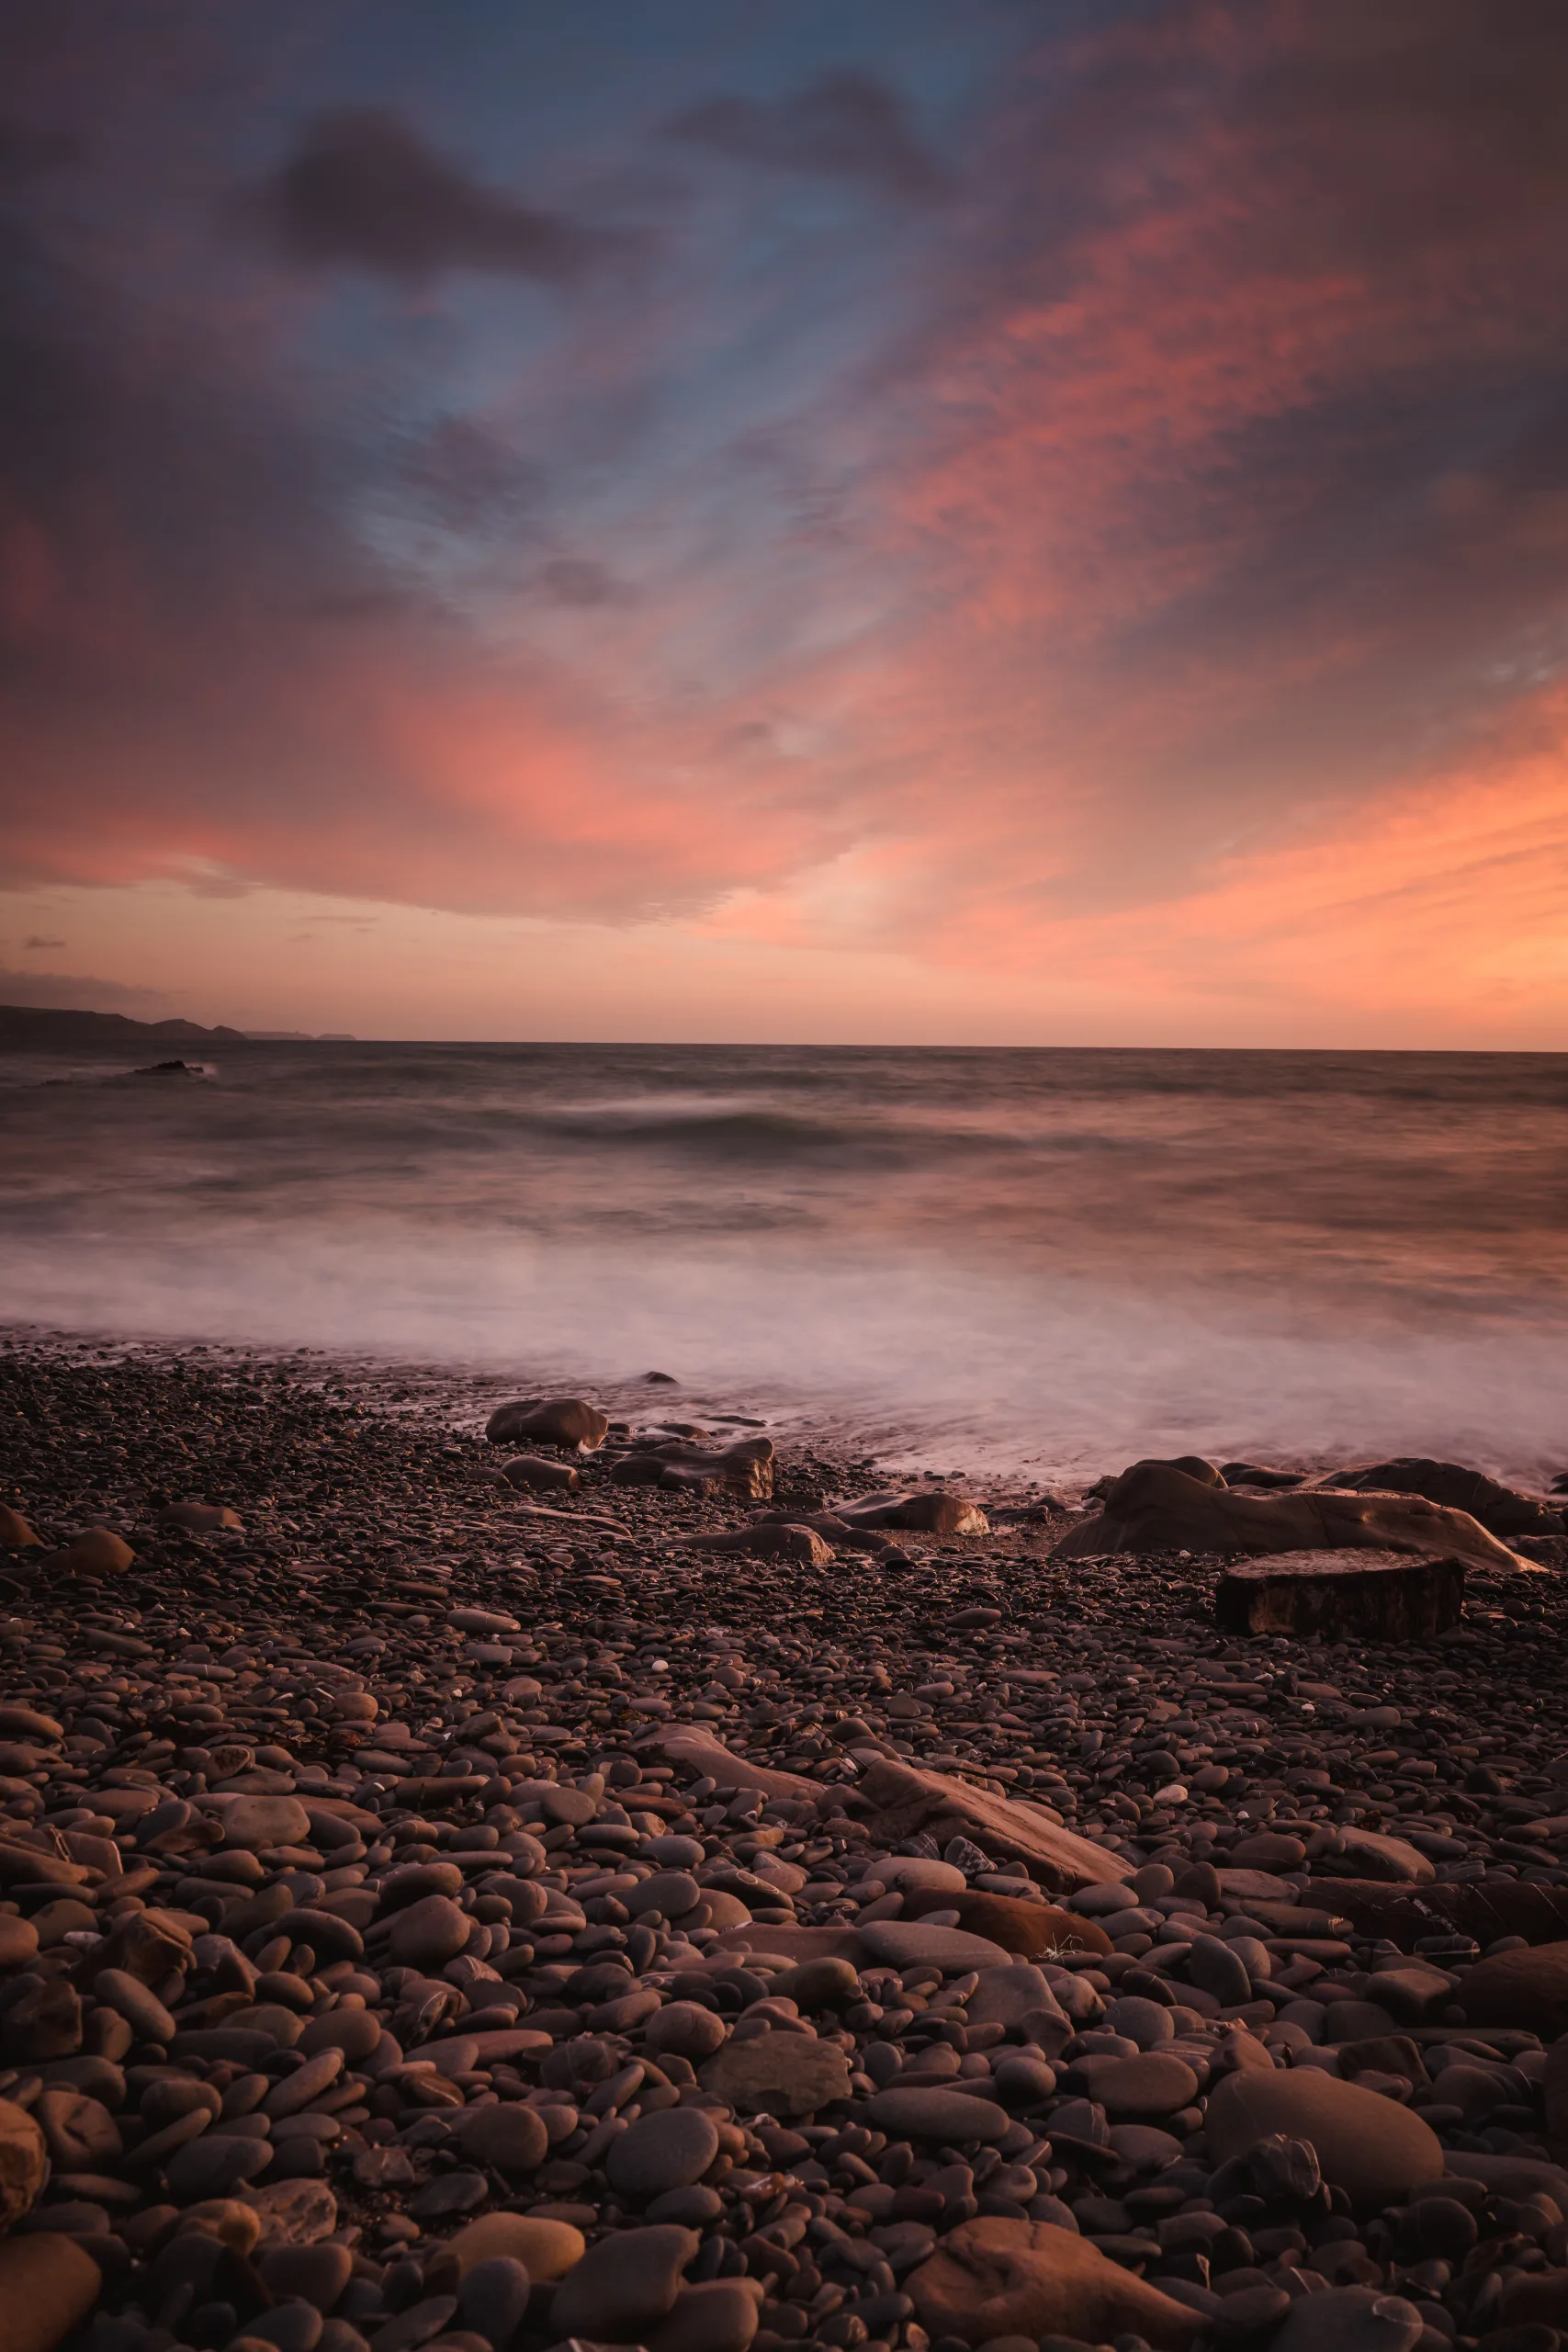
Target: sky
x=1021, y=523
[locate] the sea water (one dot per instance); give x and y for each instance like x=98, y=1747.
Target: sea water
x=1043, y=1261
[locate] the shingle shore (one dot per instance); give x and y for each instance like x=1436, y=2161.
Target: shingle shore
x=414, y=1931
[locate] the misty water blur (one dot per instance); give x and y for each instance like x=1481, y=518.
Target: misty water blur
x=1048, y=1261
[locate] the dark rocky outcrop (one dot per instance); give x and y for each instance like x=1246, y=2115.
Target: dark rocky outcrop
x=1502, y=1511
x=1155, y=1508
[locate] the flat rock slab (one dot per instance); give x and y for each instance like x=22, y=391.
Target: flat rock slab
x=1485, y=1912
x=779, y=2074
x=902, y=1800
x=1376, y=1596
x=794, y=1944
x=907, y=1943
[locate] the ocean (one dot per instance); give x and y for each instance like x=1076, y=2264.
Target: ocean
x=1038, y=1263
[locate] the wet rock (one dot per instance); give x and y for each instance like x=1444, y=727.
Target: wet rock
x=992, y=2278
x=1504, y=1510
x=1358, y=1595
x=1153, y=1508
x=16, y=1535
x=624, y=2285
x=1373, y=2149
x=568, y=1422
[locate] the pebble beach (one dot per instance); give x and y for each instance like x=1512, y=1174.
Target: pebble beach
x=489, y=1912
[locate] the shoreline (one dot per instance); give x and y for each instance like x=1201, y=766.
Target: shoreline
x=561, y=1666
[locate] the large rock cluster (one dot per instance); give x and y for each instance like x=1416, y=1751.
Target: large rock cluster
x=429, y=1920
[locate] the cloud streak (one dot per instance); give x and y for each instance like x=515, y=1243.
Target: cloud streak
x=1072, y=561
x=360, y=188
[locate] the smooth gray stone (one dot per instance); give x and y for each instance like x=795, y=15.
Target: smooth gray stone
x=669, y=2150
x=1350, y=2319
x=936, y=2113
x=905, y=1943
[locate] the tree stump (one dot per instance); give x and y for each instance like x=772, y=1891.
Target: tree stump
x=1376, y=1596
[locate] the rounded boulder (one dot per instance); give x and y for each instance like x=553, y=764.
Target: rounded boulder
x=1373, y=2149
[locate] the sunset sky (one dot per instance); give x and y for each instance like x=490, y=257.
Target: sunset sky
x=952, y=520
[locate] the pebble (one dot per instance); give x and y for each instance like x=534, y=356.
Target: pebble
x=623, y=2285
x=511, y=2137
x=784, y=2074
x=936, y=2114
x=671, y=2150
x=993, y=2278
x=1371, y=2147
x=395, y=1933
x=24, y=2163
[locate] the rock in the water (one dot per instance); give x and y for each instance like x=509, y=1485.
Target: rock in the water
x=47, y=2285
x=1151, y=1508
x=994, y=2277
x=1373, y=2149
x=1343, y=1596
x=779, y=2074
x=24, y=2163
x=623, y=2285
x=669, y=2150
x=566, y=1421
